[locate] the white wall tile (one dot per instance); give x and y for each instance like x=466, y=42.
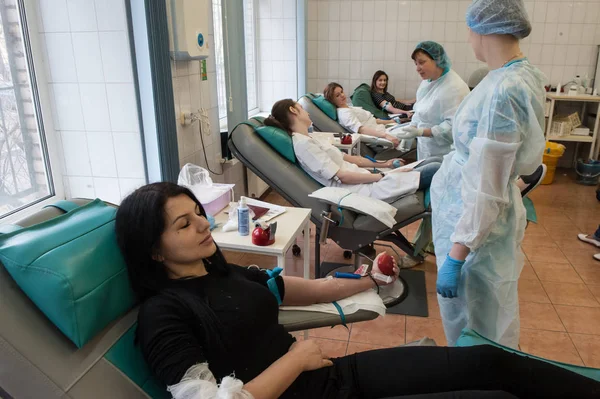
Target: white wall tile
x=312, y=10
x=102, y=154
x=563, y=34
x=559, y=55
x=334, y=30
x=127, y=186
x=68, y=107
x=579, y=10
x=334, y=10
x=54, y=15
x=289, y=9
x=60, y=57
x=81, y=187
x=427, y=10
x=77, y=160
x=565, y=11
x=88, y=58
x=265, y=27
x=128, y=152
x=323, y=30
x=289, y=30
x=588, y=35
x=345, y=11
x=368, y=30
x=572, y=56
x=592, y=13
x=575, y=33
x=357, y=10
x=111, y=15
x=538, y=32
x=94, y=106
x=540, y=10
x=369, y=11
x=415, y=10
x=391, y=10
x=323, y=10
x=107, y=189
x=82, y=15
x=122, y=106
x=116, y=57
x=553, y=13
x=277, y=28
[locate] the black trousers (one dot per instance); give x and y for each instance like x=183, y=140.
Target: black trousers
x=443, y=372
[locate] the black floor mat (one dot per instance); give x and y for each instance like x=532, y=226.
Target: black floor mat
x=415, y=303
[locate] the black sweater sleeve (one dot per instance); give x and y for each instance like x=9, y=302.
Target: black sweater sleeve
x=168, y=343
x=259, y=276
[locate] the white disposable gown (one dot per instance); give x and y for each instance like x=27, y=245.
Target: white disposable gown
x=322, y=161
x=437, y=102
x=498, y=135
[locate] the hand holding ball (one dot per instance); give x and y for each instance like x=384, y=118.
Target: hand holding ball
x=385, y=263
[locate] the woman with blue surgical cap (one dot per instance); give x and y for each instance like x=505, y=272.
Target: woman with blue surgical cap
x=438, y=97
x=478, y=214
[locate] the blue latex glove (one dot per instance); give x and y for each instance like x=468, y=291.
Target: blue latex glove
x=448, y=277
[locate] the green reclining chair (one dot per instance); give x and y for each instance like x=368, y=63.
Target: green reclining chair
x=268, y=152
x=324, y=117
x=52, y=348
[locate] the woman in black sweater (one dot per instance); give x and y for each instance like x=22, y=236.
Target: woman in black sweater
x=384, y=100
x=209, y=329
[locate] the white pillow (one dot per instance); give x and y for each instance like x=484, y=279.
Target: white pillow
x=379, y=209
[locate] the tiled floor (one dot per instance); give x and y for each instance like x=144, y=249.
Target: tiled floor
x=559, y=287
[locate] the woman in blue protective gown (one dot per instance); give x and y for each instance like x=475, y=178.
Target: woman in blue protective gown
x=478, y=214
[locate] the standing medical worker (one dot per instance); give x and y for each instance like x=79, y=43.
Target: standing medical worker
x=478, y=214
x=438, y=97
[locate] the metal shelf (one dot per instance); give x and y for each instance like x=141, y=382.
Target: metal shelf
x=573, y=138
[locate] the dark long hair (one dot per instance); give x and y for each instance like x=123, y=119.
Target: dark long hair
x=280, y=115
x=377, y=75
x=140, y=222
x=329, y=90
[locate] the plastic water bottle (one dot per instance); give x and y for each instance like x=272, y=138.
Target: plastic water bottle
x=243, y=217
x=396, y=164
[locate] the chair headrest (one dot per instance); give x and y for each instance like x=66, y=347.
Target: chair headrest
x=72, y=269
x=279, y=139
x=325, y=106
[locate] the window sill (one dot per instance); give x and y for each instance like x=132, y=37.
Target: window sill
x=30, y=210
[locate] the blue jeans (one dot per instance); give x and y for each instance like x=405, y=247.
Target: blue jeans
x=427, y=169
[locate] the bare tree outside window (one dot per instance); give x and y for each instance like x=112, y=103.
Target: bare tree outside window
x=24, y=168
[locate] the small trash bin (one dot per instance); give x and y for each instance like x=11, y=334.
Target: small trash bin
x=588, y=173
x=552, y=154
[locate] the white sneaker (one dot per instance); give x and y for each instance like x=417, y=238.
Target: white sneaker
x=589, y=240
x=597, y=256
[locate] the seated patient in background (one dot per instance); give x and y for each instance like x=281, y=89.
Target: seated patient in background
x=384, y=100
x=356, y=119
x=331, y=167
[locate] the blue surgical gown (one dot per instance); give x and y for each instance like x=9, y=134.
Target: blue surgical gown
x=498, y=135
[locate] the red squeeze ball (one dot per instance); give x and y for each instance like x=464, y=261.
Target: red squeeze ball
x=386, y=264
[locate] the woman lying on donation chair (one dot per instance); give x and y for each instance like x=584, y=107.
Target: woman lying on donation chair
x=210, y=329
x=331, y=167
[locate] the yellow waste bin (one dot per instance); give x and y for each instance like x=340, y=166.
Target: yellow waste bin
x=552, y=153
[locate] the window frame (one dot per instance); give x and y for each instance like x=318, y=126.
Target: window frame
x=256, y=110
x=30, y=22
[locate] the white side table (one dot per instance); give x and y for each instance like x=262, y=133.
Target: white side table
x=353, y=148
x=289, y=226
